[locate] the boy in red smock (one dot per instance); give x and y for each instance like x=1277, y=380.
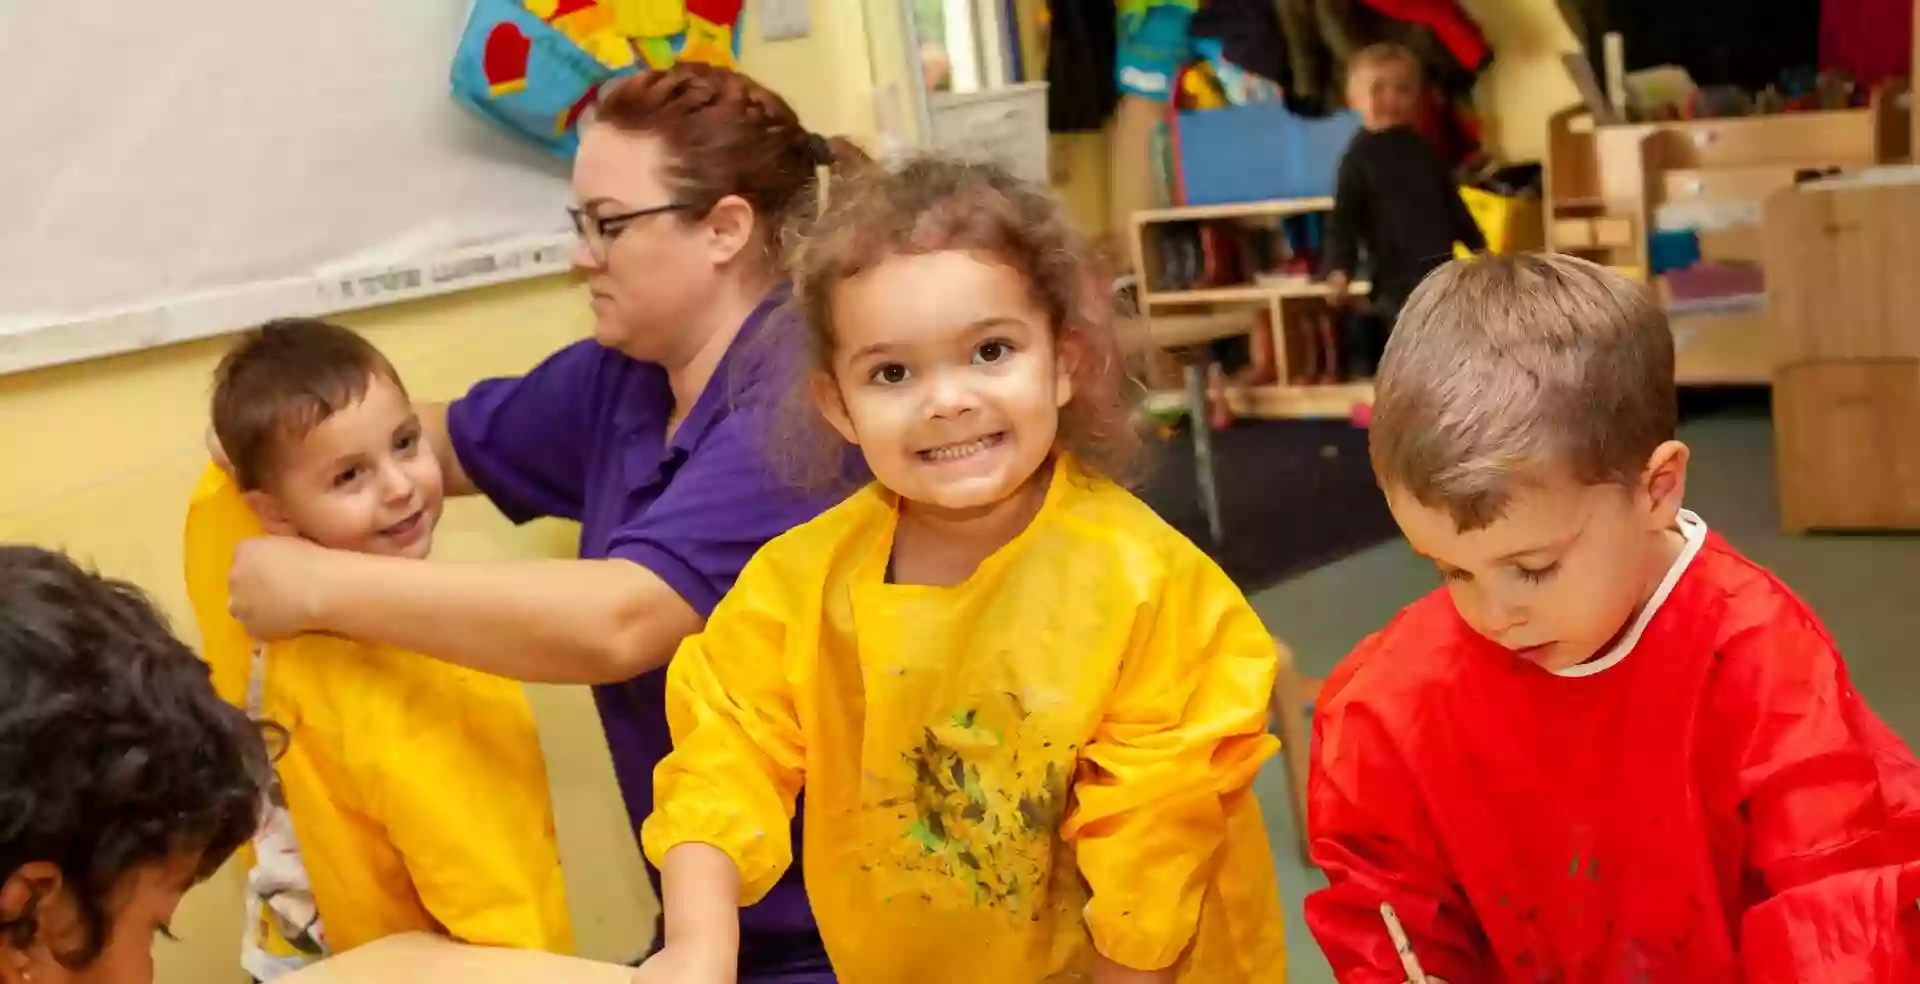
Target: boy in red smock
x=1612, y=749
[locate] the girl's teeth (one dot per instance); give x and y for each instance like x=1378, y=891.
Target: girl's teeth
x=952, y=451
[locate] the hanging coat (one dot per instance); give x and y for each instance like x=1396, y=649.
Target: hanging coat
x=1871, y=40
x=1249, y=34
x=1081, y=44
x=1451, y=24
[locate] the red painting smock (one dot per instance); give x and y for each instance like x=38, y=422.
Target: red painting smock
x=1709, y=800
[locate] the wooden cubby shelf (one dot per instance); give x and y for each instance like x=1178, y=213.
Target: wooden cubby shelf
x=1185, y=319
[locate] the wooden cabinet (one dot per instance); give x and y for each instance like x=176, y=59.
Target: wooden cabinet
x=1844, y=292
x=1843, y=264
x=1847, y=444
x=1608, y=187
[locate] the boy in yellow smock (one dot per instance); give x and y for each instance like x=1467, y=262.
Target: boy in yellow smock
x=412, y=795
x=1026, y=712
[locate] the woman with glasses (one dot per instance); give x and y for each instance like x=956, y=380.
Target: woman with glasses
x=650, y=434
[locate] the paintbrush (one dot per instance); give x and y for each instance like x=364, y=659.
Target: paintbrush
x=1402, y=946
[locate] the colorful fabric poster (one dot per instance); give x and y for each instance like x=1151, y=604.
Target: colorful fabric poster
x=535, y=66
x=532, y=75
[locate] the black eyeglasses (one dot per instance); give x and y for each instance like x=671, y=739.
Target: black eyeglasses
x=601, y=230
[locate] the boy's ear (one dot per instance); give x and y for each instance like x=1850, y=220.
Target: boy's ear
x=826, y=396
x=34, y=901
x=1664, y=484
x=267, y=509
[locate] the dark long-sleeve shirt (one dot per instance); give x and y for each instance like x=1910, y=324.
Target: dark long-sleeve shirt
x=1395, y=197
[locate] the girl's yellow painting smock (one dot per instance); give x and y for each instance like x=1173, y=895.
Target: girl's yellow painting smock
x=417, y=789
x=1054, y=754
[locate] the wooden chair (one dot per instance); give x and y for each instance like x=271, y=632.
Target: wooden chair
x=1292, y=695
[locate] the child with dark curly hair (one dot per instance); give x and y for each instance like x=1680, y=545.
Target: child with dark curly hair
x=124, y=780
x=1025, y=710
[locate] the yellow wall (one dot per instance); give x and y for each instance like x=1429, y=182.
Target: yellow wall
x=824, y=75
x=99, y=458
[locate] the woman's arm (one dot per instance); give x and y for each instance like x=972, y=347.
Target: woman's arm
x=542, y=621
x=433, y=422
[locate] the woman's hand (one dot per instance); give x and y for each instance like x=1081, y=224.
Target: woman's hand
x=275, y=586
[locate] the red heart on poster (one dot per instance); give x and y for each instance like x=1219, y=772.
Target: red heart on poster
x=505, y=58
x=579, y=109
x=721, y=12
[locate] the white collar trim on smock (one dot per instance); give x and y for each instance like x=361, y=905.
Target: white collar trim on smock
x=1694, y=530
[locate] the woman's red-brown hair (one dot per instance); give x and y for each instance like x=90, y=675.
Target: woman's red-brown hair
x=725, y=134
x=935, y=204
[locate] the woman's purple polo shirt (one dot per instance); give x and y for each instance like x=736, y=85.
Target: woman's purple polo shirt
x=583, y=437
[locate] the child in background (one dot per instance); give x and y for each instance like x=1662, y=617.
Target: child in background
x=1026, y=712
x=1393, y=196
x=1612, y=748
x=412, y=795
x=123, y=780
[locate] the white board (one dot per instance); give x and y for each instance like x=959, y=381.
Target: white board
x=173, y=169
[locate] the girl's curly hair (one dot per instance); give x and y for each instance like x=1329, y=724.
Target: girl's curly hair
x=115, y=753
x=934, y=204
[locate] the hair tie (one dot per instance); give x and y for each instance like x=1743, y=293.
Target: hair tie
x=821, y=150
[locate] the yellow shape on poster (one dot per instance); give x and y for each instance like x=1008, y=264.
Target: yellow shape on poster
x=708, y=42
x=657, y=52
x=589, y=24
x=649, y=18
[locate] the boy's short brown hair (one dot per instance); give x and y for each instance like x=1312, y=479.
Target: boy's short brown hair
x=280, y=382
x=1502, y=368
x=1384, y=53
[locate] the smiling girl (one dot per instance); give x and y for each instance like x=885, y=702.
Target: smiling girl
x=1025, y=711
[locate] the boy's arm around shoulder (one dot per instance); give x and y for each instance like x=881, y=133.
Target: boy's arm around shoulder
x=1183, y=733
x=1832, y=800
x=1371, y=836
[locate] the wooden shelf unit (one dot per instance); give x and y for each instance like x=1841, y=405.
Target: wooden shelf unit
x=1604, y=186
x=1187, y=318
x=1279, y=402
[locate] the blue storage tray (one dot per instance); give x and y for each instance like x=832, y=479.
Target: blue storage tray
x=1259, y=152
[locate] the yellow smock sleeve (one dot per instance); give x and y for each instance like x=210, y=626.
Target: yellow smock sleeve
x=218, y=518
x=738, y=755
x=459, y=784
x=1184, y=733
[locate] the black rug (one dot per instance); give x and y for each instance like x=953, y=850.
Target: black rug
x=1294, y=494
